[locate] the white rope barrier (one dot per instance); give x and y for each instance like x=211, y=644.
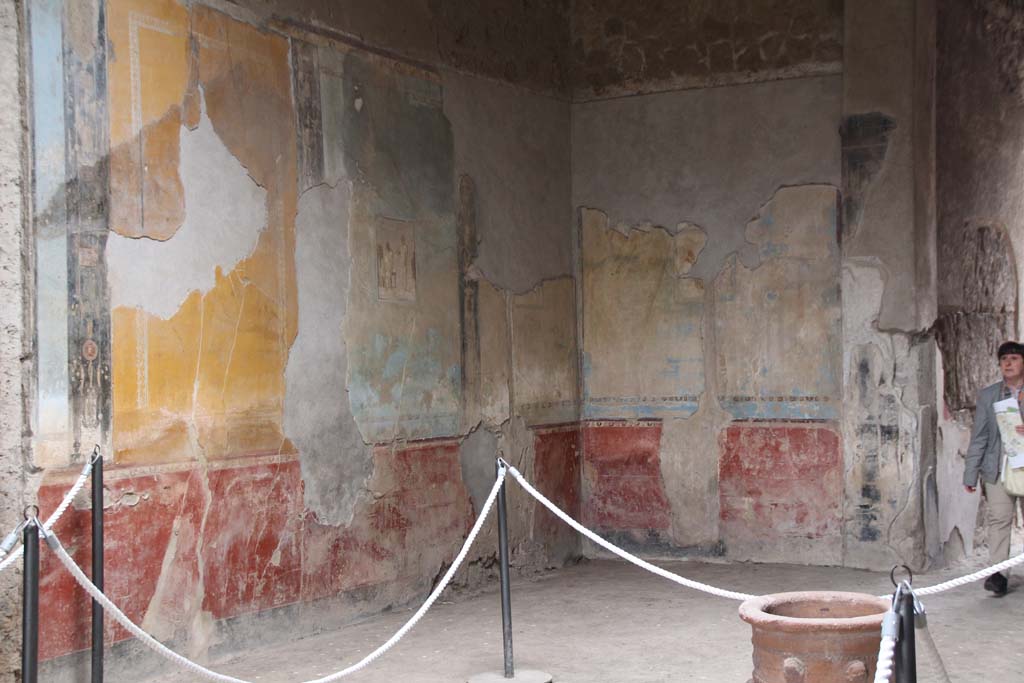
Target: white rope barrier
x=890, y=632
x=611, y=547
x=970, y=578
x=162, y=650
x=61, y=509
x=885, y=654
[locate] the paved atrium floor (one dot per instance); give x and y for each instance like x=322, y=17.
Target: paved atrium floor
x=607, y=621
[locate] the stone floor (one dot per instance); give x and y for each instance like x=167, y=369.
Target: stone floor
x=607, y=621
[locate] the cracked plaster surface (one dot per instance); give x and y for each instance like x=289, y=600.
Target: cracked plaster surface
x=881, y=427
x=225, y=212
x=709, y=156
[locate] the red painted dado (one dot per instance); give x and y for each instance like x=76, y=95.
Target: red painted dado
x=417, y=519
x=138, y=528
x=237, y=539
x=556, y=471
x=622, y=477
x=780, y=481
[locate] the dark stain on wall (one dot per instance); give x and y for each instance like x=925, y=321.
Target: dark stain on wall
x=308, y=113
x=865, y=141
x=623, y=45
x=469, y=292
x=877, y=443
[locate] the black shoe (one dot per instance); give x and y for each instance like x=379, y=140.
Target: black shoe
x=997, y=583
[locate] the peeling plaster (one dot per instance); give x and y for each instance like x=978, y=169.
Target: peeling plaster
x=708, y=156
x=881, y=428
x=778, y=325
x=689, y=467
x=225, y=212
x=477, y=453
x=404, y=371
x=544, y=360
x=317, y=413
x=642, y=321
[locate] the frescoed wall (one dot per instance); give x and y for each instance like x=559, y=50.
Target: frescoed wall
x=303, y=274
x=269, y=340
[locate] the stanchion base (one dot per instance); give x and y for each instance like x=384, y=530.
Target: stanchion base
x=522, y=676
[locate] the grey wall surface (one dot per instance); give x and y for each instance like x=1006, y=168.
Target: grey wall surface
x=710, y=157
x=514, y=144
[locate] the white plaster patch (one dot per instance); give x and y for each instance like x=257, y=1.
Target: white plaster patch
x=225, y=212
x=317, y=412
x=881, y=428
x=689, y=468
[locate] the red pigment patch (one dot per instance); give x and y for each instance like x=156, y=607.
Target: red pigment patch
x=259, y=548
x=137, y=530
x=778, y=482
x=622, y=472
x=556, y=471
x=419, y=521
x=252, y=554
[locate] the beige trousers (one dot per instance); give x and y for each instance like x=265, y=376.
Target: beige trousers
x=1001, y=510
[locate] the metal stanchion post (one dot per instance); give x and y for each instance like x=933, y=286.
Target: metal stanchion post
x=506, y=590
x=97, y=565
x=906, y=651
x=525, y=676
x=30, y=606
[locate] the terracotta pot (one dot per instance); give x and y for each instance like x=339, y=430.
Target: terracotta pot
x=815, y=636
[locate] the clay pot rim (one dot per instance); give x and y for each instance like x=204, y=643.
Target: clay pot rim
x=753, y=612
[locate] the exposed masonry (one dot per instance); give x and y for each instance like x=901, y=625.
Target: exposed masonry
x=622, y=47
x=14, y=360
x=1001, y=23
x=225, y=212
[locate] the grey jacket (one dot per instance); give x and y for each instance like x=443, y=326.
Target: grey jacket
x=984, y=455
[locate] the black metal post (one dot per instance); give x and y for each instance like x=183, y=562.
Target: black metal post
x=97, y=566
x=30, y=606
x=506, y=595
x=906, y=650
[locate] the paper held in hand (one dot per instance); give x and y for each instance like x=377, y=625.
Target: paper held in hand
x=1008, y=417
